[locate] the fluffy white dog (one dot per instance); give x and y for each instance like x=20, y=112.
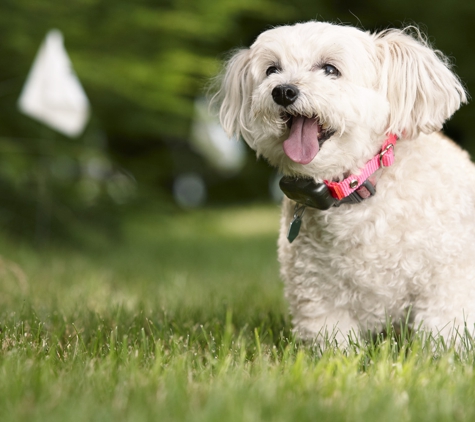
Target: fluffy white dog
x=342, y=113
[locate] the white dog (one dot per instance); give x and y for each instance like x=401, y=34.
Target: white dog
x=342, y=113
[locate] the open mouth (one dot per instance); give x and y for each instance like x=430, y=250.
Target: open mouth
x=324, y=132
x=306, y=137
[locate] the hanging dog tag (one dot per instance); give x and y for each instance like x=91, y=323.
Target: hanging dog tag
x=296, y=222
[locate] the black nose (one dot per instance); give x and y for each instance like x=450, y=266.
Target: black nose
x=285, y=95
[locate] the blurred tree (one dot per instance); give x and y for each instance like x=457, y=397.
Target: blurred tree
x=142, y=64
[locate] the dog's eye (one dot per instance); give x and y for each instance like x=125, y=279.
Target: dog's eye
x=331, y=70
x=271, y=70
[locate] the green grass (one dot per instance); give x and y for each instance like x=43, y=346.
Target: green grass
x=183, y=319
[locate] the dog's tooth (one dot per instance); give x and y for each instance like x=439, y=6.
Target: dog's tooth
x=325, y=125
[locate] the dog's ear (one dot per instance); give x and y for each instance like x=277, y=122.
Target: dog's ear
x=421, y=89
x=235, y=96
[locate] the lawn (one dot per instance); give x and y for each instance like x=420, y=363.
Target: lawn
x=182, y=318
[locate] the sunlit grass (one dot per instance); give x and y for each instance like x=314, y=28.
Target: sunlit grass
x=183, y=319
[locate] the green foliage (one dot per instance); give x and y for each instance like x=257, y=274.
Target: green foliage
x=184, y=320
x=142, y=65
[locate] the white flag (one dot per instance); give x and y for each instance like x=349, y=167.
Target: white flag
x=52, y=92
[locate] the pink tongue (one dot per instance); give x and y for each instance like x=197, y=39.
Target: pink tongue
x=302, y=145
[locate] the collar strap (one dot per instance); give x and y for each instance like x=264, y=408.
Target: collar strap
x=384, y=158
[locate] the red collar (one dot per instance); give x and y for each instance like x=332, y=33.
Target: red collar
x=384, y=158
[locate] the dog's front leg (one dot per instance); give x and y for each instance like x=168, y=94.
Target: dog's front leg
x=335, y=327
x=453, y=321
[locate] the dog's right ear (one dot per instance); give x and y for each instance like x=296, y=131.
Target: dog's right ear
x=235, y=96
x=421, y=89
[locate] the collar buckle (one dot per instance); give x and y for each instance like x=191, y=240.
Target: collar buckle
x=383, y=153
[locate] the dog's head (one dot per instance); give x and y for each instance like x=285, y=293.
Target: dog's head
x=317, y=99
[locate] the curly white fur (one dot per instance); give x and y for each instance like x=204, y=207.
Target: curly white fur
x=412, y=245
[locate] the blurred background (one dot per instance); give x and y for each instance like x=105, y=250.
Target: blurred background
x=144, y=66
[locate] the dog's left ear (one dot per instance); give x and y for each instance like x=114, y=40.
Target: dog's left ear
x=421, y=89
